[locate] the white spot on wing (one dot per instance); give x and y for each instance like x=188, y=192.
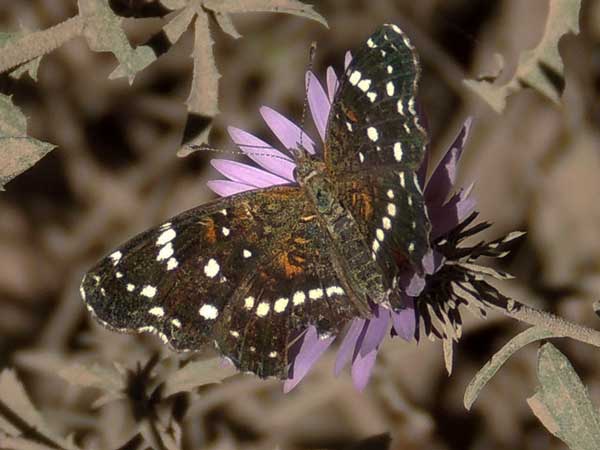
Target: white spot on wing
x=176, y=323
x=116, y=257
x=225, y=231
x=361, y=157
x=398, y=151
x=281, y=304
x=172, y=263
x=165, y=252
x=390, y=194
x=389, y=88
x=273, y=355
x=349, y=126
x=262, y=309
x=211, y=269
x=379, y=234
x=354, y=78
x=157, y=311
x=315, y=294
x=371, y=44
x=130, y=287
x=402, y=181
x=148, y=291
x=298, y=298
x=364, y=85
x=390, y=69
x=373, y=134
x=387, y=223
x=411, y=247
x=400, y=107
x=334, y=290
x=249, y=302
x=391, y=209
x=375, y=246
x=166, y=236
x=247, y=253
x=208, y=311
x=372, y=96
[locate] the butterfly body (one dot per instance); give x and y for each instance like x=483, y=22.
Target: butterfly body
x=250, y=272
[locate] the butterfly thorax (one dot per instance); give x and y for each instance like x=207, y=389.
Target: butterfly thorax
x=352, y=256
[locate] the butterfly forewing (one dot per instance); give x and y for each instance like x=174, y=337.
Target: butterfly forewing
x=375, y=143
x=248, y=272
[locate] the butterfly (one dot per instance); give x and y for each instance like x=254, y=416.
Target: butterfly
x=252, y=271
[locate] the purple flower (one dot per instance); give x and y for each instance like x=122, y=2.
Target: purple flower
x=449, y=212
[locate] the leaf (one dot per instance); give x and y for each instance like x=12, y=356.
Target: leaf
x=104, y=34
x=179, y=23
x=541, y=67
x=224, y=21
x=487, y=372
x=17, y=409
x=205, y=82
x=30, y=67
x=94, y=376
x=18, y=152
x=198, y=373
x=279, y=6
x=562, y=402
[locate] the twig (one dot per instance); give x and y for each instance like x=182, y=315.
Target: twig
x=557, y=325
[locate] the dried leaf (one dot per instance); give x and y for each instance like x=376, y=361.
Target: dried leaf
x=95, y=376
x=18, y=152
x=15, y=405
x=198, y=373
x=174, y=4
x=205, y=82
x=541, y=67
x=30, y=67
x=279, y=6
x=226, y=24
x=179, y=23
x=562, y=402
x=104, y=34
x=487, y=372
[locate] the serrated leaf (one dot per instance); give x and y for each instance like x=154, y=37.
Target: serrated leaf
x=205, y=81
x=562, y=402
x=95, y=376
x=294, y=7
x=541, y=67
x=198, y=373
x=18, y=152
x=104, y=34
x=174, y=4
x=179, y=23
x=15, y=402
x=30, y=67
x=226, y=24
x=487, y=372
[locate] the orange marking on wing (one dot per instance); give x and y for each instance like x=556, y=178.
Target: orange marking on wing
x=289, y=269
x=211, y=231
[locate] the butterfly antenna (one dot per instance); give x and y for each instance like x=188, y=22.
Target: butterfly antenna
x=311, y=59
x=190, y=148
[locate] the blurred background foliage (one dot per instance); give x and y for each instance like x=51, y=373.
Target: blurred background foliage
x=114, y=173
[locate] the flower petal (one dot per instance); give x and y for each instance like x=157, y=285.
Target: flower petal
x=226, y=188
x=310, y=351
x=261, y=152
x=346, y=350
x=286, y=131
x=444, y=176
x=444, y=218
x=318, y=103
x=332, y=83
x=411, y=283
x=347, y=59
x=405, y=321
x=377, y=329
x=246, y=174
x=362, y=367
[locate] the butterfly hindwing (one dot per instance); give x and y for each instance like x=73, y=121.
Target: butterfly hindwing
x=248, y=272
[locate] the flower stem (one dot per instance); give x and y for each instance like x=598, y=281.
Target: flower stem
x=39, y=43
x=555, y=324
